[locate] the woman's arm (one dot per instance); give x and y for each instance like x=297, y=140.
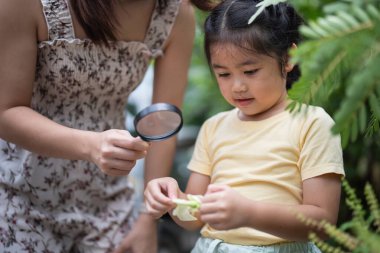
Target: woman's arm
x=114, y=151
x=224, y=208
x=170, y=81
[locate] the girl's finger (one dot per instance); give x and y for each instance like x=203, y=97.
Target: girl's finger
x=216, y=188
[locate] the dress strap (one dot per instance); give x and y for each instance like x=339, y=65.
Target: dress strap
x=160, y=26
x=58, y=19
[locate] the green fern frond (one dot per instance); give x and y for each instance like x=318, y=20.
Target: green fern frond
x=374, y=126
x=354, y=203
x=375, y=105
x=343, y=53
x=373, y=205
x=362, y=118
x=360, y=88
x=323, y=246
x=356, y=235
x=340, y=24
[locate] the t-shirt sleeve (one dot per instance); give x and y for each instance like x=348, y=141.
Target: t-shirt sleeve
x=321, y=150
x=200, y=161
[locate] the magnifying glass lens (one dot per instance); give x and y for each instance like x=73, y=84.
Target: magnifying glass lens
x=158, y=121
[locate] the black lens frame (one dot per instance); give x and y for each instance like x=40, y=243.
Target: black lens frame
x=156, y=108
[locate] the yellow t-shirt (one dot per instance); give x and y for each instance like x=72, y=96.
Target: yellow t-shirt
x=265, y=160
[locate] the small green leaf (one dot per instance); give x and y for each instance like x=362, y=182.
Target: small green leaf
x=362, y=118
x=338, y=22
x=348, y=18
x=308, y=32
x=375, y=105
x=361, y=14
x=354, y=129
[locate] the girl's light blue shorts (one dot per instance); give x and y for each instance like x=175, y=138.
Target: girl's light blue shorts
x=207, y=245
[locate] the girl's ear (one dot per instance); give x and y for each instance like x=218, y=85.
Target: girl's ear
x=289, y=65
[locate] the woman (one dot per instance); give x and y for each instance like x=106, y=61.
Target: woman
x=67, y=69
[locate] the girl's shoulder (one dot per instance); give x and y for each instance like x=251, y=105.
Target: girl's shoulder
x=310, y=112
x=313, y=117
x=220, y=119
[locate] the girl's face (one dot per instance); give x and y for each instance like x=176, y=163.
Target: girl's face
x=253, y=83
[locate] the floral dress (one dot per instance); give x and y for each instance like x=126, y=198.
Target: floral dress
x=57, y=205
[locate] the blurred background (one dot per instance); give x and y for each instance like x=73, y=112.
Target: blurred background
x=349, y=92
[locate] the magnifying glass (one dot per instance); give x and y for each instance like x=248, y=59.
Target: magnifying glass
x=158, y=122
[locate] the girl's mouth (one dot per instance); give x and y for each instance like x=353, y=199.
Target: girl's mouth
x=244, y=102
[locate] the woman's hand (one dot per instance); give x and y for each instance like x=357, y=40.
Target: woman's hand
x=159, y=194
x=142, y=238
x=116, y=151
x=222, y=208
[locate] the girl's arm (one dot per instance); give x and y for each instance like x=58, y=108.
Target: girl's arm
x=224, y=208
x=114, y=151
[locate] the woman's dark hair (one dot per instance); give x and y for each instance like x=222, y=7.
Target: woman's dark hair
x=98, y=19
x=205, y=5
x=272, y=33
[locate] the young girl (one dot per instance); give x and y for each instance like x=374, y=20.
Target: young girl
x=258, y=165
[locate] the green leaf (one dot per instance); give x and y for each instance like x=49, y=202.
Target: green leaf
x=354, y=129
x=373, y=11
x=308, y=32
x=348, y=18
x=345, y=134
x=362, y=118
x=338, y=23
x=362, y=15
x=327, y=26
x=318, y=29
x=375, y=105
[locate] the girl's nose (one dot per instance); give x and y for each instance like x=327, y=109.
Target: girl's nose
x=239, y=86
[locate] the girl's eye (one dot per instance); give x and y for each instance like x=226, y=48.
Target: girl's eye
x=250, y=72
x=223, y=74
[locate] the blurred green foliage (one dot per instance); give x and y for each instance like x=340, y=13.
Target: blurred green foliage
x=203, y=98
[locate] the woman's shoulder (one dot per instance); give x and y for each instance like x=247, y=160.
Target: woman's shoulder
x=185, y=20
x=19, y=17
x=19, y=11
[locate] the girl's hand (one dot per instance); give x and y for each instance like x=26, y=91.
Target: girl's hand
x=116, y=151
x=222, y=208
x=159, y=194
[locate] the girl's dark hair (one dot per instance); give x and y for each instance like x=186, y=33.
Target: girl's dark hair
x=272, y=33
x=98, y=19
